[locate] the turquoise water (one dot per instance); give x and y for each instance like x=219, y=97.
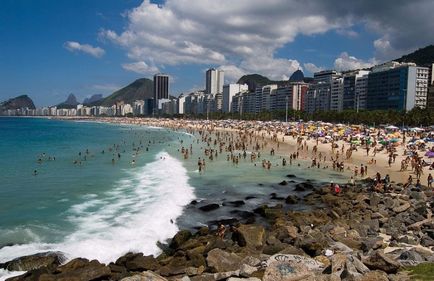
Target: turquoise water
x=87, y=205
x=94, y=208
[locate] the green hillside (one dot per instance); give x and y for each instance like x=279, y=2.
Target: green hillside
x=138, y=90
x=423, y=56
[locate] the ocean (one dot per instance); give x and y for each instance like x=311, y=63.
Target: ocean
x=98, y=190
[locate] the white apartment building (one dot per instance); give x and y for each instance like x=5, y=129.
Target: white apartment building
x=229, y=91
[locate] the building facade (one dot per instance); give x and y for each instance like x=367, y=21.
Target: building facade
x=161, y=88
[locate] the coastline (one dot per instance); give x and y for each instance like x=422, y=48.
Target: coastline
x=190, y=253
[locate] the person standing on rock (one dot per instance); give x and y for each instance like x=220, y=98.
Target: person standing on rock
x=221, y=229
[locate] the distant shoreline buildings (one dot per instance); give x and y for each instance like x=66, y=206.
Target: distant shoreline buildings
x=389, y=86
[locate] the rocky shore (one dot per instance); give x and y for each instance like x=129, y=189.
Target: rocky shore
x=354, y=235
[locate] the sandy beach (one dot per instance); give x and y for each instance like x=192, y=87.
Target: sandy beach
x=273, y=135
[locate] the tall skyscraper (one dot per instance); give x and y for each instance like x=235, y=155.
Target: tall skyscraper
x=214, y=81
x=161, y=88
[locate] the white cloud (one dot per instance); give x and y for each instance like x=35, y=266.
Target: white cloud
x=232, y=73
x=347, y=62
x=106, y=87
x=244, y=34
x=247, y=34
x=312, y=68
x=140, y=67
x=72, y=46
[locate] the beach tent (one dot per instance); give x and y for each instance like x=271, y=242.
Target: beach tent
x=417, y=129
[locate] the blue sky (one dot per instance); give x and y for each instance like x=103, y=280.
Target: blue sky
x=50, y=48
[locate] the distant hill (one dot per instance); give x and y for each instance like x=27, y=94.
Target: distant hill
x=17, y=102
x=422, y=57
x=93, y=99
x=138, y=90
x=71, y=102
x=257, y=80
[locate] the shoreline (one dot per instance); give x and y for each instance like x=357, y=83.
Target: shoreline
x=289, y=144
x=354, y=203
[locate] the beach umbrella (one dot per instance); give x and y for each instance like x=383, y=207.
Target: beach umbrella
x=391, y=127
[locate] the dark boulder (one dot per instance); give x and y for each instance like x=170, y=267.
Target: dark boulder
x=138, y=262
x=274, y=196
x=209, y=207
x=283, y=183
x=236, y=203
x=291, y=199
x=180, y=238
x=303, y=186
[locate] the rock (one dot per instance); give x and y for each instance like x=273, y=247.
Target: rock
x=290, y=176
x=252, y=261
x=236, y=203
x=417, y=195
x=191, y=271
x=410, y=257
x=250, y=197
x=374, y=276
x=221, y=261
x=181, y=237
x=338, y=262
x=273, y=249
x=83, y=270
x=26, y=263
x=224, y=275
x=254, y=235
x=283, y=183
x=145, y=276
x=142, y=263
x=244, y=279
x=247, y=270
x=291, y=267
x=209, y=207
x=273, y=196
x=371, y=243
x=291, y=199
x=380, y=261
x=402, y=208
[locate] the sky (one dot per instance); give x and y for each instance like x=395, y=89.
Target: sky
x=51, y=48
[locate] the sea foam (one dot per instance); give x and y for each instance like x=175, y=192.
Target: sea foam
x=133, y=216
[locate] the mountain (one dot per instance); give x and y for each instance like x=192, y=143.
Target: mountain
x=71, y=102
x=138, y=90
x=257, y=80
x=297, y=76
x=93, y=99
x=18, y=102
x=422, y=57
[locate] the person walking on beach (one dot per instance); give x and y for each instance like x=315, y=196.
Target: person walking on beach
x=430, y=180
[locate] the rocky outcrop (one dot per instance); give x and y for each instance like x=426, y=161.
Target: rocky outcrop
x=26, y=263
x=351, y=236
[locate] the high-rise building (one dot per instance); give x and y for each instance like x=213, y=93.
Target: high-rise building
x=161, y=88
x=397, y=86
x=229, y=91
x=353, y=81
x=214, y=81
x=336, y=96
